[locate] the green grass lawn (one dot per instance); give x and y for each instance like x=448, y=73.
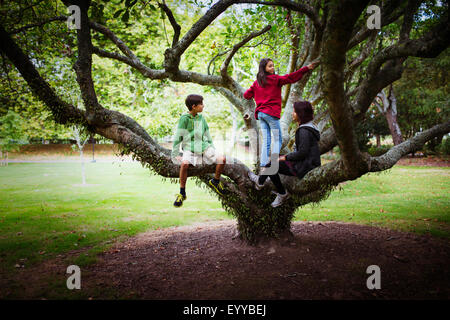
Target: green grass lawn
x=44, y=210
x=404, y=198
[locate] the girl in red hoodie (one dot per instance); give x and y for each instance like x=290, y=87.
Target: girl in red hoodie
x=266, y=91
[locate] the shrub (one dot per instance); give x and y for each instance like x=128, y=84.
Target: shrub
x=444, y=147
x=375, y=151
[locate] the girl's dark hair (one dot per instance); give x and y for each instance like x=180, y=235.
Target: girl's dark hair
x=192, y=100
x=262, y=73
x=304, y=111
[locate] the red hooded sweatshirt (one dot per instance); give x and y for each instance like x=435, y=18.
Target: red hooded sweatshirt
x=268, y=98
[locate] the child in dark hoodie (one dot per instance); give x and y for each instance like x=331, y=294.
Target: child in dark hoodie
x=305, y=157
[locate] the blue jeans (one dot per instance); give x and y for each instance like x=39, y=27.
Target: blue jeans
x=269, y=124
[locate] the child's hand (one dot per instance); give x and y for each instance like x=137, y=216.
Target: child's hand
x=313, y=65
x=282, y=158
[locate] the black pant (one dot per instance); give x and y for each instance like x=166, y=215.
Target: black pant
x=283, y=168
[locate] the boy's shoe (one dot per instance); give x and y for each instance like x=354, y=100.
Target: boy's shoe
x=179, y=200
x=218, y=186
x=255, y=179
x=279, y=199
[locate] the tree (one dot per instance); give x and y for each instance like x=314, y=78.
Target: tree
x=350, y=76
x=422, y=95
x=81, y=140
x=387, y=104
x=373, y=125
x=11, y=134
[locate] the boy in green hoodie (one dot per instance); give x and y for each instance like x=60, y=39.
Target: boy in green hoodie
x=193, y=135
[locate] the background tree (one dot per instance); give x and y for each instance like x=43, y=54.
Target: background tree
x=422, y=95
x=11, y=134
x=81, y=138
x=387, y=105
x=375, y=126
x=352, y=72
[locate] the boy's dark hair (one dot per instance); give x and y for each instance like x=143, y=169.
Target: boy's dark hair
x=304, y=111
x=262, y=73
x=192, y=100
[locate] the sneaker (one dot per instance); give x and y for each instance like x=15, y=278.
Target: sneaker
x=279, y=199
x=218, y=186
x=179, y=200
x=255, y=179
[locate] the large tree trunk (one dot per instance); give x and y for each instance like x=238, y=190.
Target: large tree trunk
x=258, y=223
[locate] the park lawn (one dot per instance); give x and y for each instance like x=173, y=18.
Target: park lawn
x=44, y=211
x=403, y=198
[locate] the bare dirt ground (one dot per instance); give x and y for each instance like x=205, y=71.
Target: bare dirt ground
x=324, y=260
x=424, y=161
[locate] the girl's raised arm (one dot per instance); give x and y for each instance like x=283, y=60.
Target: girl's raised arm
x=292, y=77
x=250, y=93
x=297, y=75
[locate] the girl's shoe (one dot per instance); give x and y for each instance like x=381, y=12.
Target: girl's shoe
x=279, y=199
x=255, y=179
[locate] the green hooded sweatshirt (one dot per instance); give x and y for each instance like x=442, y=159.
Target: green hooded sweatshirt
x=193, y=134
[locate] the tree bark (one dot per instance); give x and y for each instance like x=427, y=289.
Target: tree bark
x=391, y=118
x=389, y=110
x=378, y=140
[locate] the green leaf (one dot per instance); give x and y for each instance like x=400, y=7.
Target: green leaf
x=126, y=17
x=117, y=14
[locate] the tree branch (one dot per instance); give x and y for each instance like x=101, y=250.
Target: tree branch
x=176, y=27
x=38, y=24
x=293, y=56
x=331, y=174
x=327, y=140
x=172, y=55
x=111, y=36
x=429, y=46
x=294, y=6
x=408, y=19
x=212, y=61
x=371, y=86
x=236, y=47
x=361, y=58
x=117, y=127
x=113, y=55
x=63, y=112
x=391, y=157
x=214, y=58
x=388, y=16
x=83, y=65
x=135, y=63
